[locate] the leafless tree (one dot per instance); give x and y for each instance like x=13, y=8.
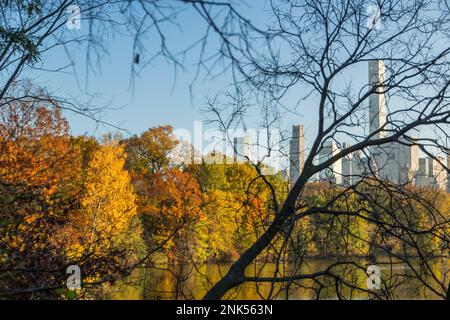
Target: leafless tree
x=304, y=47
x=314, y=50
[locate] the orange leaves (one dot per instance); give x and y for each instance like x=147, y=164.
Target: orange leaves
x=31, y=118
x=62, y=199
x=170, y=200
x=37, y=160
x=39, y=169
x=177, y=192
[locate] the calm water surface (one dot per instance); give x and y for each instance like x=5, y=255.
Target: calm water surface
x=187, y=282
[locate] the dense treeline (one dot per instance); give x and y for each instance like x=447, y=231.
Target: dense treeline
x=366, y=220
x=109, y=205
x=63, y=200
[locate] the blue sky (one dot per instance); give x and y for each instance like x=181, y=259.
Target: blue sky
x=157, y=96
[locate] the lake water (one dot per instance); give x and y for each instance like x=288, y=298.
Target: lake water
x=188, y=282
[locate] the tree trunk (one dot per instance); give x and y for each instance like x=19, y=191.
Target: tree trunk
x=235, y=276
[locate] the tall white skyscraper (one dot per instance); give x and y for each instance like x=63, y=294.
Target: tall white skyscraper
x=377, y=101
x=398, y=162
x=296, y=152
x=448, y=173
x=395, y=162
x=334, y=172
x=241, y=146
x=346, y=166
x=383, y=157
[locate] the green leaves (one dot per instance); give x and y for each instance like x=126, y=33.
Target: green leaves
x=19, y=41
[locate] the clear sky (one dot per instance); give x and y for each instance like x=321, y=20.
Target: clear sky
x=158, y=97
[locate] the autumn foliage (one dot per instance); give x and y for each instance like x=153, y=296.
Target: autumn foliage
x=109, y=205
x=63, y=201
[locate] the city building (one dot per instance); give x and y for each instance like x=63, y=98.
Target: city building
x=448, y=173
x=431, y=173
x=241, y=147
x=296, y=152
x=396, y=162
x=333, y=173
x=360, y=167
x=377, y=101
x=285, y=175
x=347, y=175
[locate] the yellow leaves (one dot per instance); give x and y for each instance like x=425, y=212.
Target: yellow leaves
x=62, y=199
x=149, y=153
x=75, y=251
x=222, y=214
x=238, y=205
x=108, y=205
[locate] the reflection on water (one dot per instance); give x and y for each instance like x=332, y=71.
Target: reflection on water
x=189, y=282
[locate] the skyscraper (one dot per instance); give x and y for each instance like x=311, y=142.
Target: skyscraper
x=448, y=173
x=398, y=162
x=395, y=162
x=241, y=146
x=360, y=167
x=346, y=166
x=383, y=157
x=408, y=162
x=334, y=172
x=296, y=152
x=422, y=178
x=377, y=101
x=431, y=174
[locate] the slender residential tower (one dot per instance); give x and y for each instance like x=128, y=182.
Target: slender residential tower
x=333, y=173
x=377, y=101
x=241, y=149
x=448, y=173
x=384, y=158
x=296, y=152
x=346, y=166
